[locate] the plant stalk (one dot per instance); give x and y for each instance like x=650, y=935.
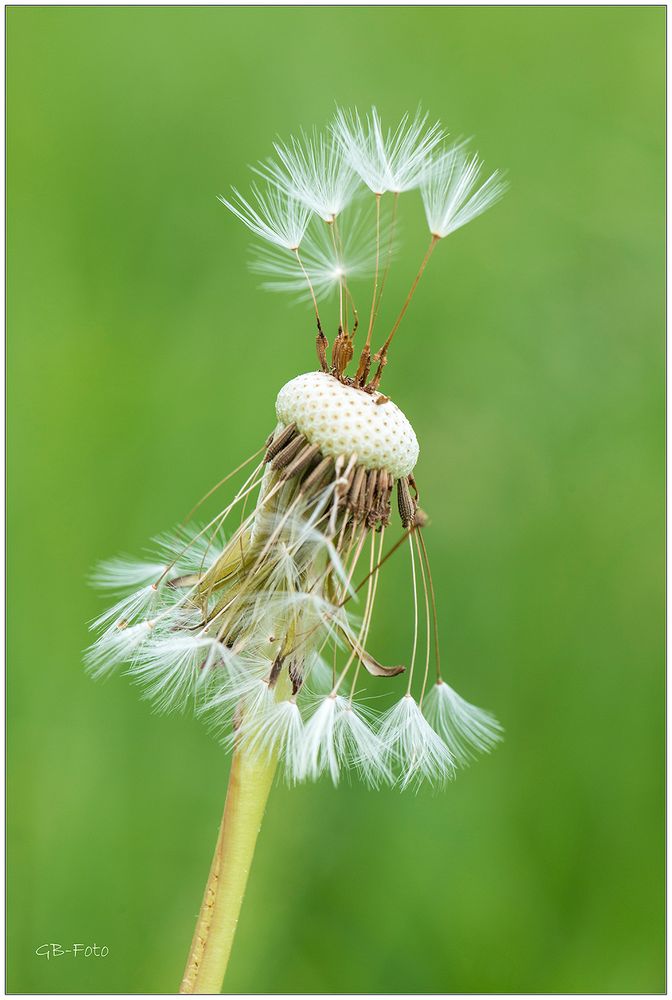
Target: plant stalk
x=249, y=786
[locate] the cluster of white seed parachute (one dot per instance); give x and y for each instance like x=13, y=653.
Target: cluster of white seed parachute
x=265, y=633
x=306, y=207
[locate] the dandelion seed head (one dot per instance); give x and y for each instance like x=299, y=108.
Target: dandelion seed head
x=344, y=421
x=240, y=636
x=258, y=618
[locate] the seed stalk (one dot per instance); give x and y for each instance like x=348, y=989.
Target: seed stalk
x=249, y=786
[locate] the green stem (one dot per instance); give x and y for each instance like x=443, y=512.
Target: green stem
x=249, y=786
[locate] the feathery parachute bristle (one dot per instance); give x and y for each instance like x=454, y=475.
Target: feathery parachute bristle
x=450, y=193
x=278, y=218
x=328, y=260
x=465, y=729
x=392, y=160
x=124, y=574
x=413, y=746
x=275, y=729
x=311, y=169
x=173, y=668
x=358, y=742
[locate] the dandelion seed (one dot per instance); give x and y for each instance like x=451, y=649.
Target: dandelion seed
x=319, y=753
x=311, y=169
x=413, y=747
x=327, y=262
x=173, y=668
x=395, y=160
x=466, y=729
x=240, y=682
x=255, y=707
x=127, y=610
x=358, y=742
x=115, y=646
x=124, y=573
x=187, y=550
x=277, y=218
x=450, y=195
x=278, y=730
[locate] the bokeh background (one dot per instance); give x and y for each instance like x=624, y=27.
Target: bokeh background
x=143, y=364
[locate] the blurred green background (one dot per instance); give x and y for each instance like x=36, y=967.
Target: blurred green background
x=143, y=365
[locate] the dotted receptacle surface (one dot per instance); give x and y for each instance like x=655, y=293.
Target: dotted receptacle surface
x=347, y=421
